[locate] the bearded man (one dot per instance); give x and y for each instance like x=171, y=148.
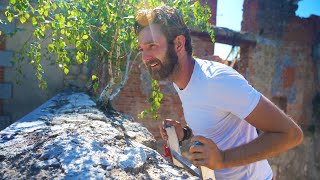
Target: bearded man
x=223, y=121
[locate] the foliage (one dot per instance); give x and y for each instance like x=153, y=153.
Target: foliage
x=78, y=31
x=155, y=101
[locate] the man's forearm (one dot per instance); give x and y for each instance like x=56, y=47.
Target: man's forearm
x=265, y=146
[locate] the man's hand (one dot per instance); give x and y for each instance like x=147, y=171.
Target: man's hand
x=208, y=154
x=177, y=126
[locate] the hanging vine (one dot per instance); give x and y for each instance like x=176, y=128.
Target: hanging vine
x=74, y=31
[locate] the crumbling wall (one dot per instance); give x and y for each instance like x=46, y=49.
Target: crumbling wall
x=283, y=66
x=300, y=163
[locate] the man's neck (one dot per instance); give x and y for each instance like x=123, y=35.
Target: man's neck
x=183, y=72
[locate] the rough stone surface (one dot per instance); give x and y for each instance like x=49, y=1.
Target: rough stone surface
x=283, y=63
x=301, y=162
x=69, y=138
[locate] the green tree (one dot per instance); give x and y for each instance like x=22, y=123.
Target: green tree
x=101, y=29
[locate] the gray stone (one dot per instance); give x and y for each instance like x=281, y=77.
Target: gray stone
x=133, y=159
x=5, y=58
x=5, y=90
x=75, y=69
x=68, y=137
x=85, y=69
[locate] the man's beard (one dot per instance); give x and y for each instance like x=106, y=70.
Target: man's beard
x=166, y=67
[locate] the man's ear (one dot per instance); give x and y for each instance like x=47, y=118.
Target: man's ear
x=180, y=42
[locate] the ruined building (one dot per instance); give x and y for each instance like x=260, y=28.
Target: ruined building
x=280, y=56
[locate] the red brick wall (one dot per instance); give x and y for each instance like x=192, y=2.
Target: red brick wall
x=213, y=6
x=282, y=65
x=298, y=41
x=249, y=16
x=133, y=99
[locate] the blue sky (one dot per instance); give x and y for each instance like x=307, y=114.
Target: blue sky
x=229, y=14
x=308, y=7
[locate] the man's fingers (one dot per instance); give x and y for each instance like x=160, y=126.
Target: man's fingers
x=199, y=159
x=196, y=149
x=199, y=162
x=163, y=133
x=197, y=156
x=170, y=122
x=200, y=139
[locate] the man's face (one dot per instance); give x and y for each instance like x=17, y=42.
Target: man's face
x=158, y=56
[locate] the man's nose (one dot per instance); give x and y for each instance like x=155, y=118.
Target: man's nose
x=146, y=57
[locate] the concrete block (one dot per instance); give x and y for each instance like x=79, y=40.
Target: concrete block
x=5, y=58
x=5, y=90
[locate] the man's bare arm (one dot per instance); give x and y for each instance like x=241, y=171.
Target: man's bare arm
x=280, y=133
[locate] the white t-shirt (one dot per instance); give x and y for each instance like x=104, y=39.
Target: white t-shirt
x=215, y=103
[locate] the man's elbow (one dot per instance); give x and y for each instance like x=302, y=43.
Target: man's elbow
x=296, y=136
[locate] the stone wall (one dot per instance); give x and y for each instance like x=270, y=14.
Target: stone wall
x=284, y=66
x=20, y=94
x=300, y=163
x=5, y=57
x=281, y=64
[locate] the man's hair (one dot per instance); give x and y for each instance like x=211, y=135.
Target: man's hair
x=170, y=21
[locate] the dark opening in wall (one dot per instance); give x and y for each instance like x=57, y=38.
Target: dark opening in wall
x=281, y=102
x=316, y=109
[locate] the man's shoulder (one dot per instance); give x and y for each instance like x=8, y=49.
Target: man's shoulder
x=212, y=68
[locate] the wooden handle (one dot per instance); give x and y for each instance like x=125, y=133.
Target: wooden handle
x=173, y=143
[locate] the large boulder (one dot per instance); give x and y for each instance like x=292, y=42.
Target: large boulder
x=68, y=137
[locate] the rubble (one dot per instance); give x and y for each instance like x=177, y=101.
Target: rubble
x=68, y=137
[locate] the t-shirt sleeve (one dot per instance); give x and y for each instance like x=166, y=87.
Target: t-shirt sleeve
x=231, y=92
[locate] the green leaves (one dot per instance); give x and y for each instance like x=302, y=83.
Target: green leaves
x=95, y=85
x=73, y=31
x=155, y=100
x=66, y=70
x=34, y=21
x=50, y=48
x=85, y=36
x=9, y=16
x=23, y=19
x=12, y=1
x=79, y=57
x=93, y=77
